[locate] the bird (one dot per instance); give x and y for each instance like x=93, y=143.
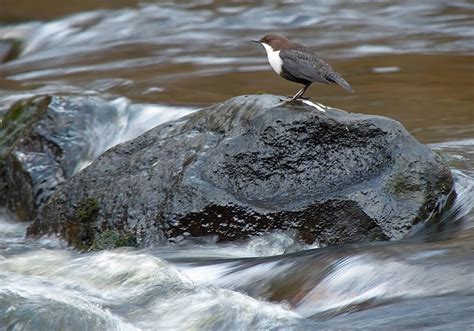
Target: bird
x=298, y=64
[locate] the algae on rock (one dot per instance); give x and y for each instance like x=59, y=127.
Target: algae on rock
x=87, y=211
x=110, y=239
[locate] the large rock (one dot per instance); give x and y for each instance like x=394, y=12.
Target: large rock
x=247, y=166
x=43, y=141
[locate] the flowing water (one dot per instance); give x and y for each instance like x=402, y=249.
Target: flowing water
x=158, y=60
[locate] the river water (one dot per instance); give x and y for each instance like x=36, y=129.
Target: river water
x=158, y=60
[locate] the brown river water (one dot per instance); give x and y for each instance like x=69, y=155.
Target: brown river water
x=411, y=60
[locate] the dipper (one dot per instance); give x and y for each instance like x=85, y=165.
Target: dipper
x=298, y=64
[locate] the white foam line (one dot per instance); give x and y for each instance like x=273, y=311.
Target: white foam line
x=316, y=105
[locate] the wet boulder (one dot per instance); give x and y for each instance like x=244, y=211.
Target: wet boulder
x=248, y=166
x=43, y=141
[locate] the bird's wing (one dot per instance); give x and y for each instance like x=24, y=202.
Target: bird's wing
x=304, y=64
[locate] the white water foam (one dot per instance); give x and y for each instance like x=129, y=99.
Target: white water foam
x=131, y=121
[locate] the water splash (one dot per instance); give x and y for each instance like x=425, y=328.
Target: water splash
x=131, y=120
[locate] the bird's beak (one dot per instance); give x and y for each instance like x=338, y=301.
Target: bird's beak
x=256, y=41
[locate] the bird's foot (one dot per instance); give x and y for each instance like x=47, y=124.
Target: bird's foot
x=291, y=99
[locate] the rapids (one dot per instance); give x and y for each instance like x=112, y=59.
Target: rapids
x=270, y=282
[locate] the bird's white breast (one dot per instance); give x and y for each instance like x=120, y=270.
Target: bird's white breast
x=274, y=58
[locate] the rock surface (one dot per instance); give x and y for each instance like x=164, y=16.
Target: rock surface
x=43, y=141
x=251, y=165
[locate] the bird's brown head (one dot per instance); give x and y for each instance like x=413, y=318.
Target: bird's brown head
x=275, y=41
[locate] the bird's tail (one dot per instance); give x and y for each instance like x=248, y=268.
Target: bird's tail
x=336, y=78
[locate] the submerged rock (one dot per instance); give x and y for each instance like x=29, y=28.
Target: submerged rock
x=42, y=142
x=248, y=166
x=9, y=49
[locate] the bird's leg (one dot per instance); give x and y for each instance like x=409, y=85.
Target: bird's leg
x=300, y=93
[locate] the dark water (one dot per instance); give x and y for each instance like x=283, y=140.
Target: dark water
x=158, y=60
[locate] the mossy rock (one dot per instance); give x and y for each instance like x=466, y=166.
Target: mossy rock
x=43, y=140
x=87, y=211
x=19, y=118
x=110, y=239
x=14, y=125
x=80, y=230
x=402, y=184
